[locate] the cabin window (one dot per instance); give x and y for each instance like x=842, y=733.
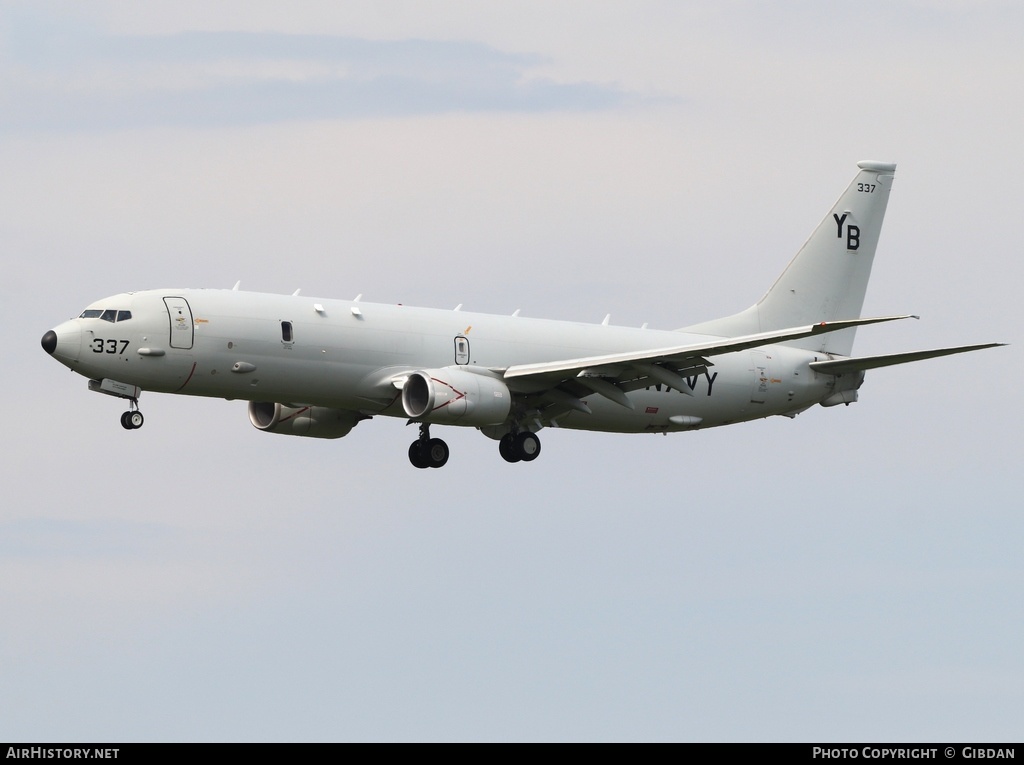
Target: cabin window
x=286, y=331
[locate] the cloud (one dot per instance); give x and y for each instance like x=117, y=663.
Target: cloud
x=61, y=78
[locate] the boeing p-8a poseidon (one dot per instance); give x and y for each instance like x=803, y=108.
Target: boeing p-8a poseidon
x=313, y=367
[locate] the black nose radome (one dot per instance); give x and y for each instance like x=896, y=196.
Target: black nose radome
x=49, y=342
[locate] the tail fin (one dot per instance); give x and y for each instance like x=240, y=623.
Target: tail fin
x=828, y=278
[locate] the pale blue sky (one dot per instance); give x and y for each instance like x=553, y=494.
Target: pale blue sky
x=853, y=574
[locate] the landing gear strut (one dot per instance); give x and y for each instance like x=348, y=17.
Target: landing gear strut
x=427, y=452
x=523, y=446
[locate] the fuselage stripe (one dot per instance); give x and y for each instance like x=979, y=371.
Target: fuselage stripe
x=192, y=372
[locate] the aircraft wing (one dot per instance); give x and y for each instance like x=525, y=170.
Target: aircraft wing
x=842, y=366
x=561, y=385
x=684, y=353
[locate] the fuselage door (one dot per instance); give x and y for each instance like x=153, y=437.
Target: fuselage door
x=461, y=349
x=180, y=316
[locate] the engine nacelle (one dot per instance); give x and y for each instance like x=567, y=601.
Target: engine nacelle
x=309, y=421
x=456, y=396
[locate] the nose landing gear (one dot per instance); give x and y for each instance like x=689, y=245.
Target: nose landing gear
x=132, y=419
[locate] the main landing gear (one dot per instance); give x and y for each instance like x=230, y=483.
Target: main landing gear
x=523, y=446
x=427, y=452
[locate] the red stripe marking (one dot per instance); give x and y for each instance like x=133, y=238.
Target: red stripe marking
x=452, y=401
x=188, y=378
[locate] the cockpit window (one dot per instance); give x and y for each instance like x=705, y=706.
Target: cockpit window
x=109, y=314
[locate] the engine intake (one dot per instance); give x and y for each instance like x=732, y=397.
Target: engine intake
x=308, y=421
x=454, y=395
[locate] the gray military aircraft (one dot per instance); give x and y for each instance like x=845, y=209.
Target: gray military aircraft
x=314, y=367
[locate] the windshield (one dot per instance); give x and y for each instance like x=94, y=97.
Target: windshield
x=109, y=314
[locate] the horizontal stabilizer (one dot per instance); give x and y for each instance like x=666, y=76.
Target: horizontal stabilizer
x=842, y=366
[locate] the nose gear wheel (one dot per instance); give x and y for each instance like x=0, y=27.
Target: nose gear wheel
x=132, y=420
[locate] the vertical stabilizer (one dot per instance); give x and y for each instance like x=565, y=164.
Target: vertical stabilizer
x=828, y=278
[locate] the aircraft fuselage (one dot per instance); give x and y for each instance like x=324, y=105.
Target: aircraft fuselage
x=344, y=355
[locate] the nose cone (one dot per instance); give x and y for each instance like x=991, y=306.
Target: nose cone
x=50, y=342
x=64, y=342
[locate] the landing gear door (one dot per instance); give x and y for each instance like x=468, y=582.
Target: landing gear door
x=180, y=316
